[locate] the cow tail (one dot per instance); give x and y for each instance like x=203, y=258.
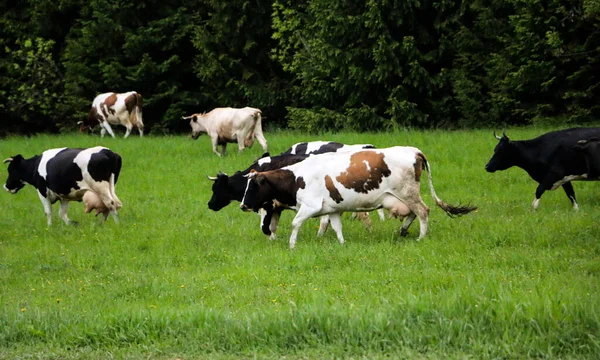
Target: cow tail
x=450, y=210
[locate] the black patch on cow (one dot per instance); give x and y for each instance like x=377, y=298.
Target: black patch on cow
x=328, y=148
x=301, y=148
x=62, y=172
x=103, y=163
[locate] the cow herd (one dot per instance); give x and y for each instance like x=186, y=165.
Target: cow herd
x=315, y=179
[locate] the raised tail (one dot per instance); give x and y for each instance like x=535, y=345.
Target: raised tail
x=451, y=210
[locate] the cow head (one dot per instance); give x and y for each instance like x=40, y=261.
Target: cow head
x=504, y=156
x=89, y=123
x=197, y=127
x=257, y=190
x=221, y=196
x=15, y=181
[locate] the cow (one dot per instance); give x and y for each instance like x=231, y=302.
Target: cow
x=66, y=174
x=364, y=180
x=116, y=109
x=229, y=125
x=550, y=159
x=590, y=149
x=321, y=147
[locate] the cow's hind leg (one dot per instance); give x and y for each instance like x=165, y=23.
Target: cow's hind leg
x=323, y=224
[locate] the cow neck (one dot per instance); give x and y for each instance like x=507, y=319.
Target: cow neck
x=238, y=184
x=29, y=169
x=529, y=158
x=283, y=183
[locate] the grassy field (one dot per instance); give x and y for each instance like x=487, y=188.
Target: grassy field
x=175, y=280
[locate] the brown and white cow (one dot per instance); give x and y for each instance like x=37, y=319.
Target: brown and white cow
x=363, y=180
x=229, y=125
x=116, y=109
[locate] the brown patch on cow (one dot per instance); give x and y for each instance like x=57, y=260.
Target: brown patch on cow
x=333, y=191
x=366, y=171
x=300, y=184
x=419, y=165
x=108, y=104
x=131, y=102
x=226, y=134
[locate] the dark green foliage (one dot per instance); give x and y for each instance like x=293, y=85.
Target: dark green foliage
x=312, y=65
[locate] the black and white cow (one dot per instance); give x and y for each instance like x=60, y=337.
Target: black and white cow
x=227, y=188
x=363, y=180
x=67, y=174
x=550, y=159
x=322, y=147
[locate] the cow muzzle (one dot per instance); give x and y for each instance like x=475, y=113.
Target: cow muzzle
x=12, y=191
x=245, y=207
x=196, y=136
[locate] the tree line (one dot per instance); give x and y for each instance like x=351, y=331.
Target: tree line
x=312, y=65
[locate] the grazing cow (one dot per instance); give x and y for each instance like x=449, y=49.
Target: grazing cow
x=364, y=180
x=321, y=147
x=116, y=109
x=229, y=125
x=591, y=153
x=67, y=174
x=550, y=159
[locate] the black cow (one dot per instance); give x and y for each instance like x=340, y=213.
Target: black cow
x=67, y=174
x=321, y=147
x=228, y=188
x=549, y=159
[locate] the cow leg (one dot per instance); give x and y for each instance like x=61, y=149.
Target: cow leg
x=274, y=221
x=302, y=215
x=214, y=141
x=64, y=207
x=568, y=187
x=336, y=224
x=381, y=214
x=106, y=127
x=129, y=127
x=406, y=224
x=323, y=224
x=141, y=131
x=223, y=148
x=422, y=212
x=265, y=217
x=47, y=208
x=241, y=145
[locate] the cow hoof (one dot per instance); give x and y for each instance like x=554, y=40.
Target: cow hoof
x=403, y=232
x=73, y=223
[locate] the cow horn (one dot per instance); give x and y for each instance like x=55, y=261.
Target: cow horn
x=7, y=160
x=79, y=122
x=496, y=136
x=211, y=178
x=222, y=173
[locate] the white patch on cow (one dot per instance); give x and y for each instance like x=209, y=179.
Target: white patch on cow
x=315, y=145
x=265, y=160
x=368, y=165
x=46, y=156
x=568, y=178
x=247, y=183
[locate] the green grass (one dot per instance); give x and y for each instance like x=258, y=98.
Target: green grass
x=176, y=280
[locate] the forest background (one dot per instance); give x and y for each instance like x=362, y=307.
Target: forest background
x=319, y=65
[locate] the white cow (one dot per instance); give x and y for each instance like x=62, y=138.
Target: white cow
x=116, y=109
x=229, y=125
x=363, y=180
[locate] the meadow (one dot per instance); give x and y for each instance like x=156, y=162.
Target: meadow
x=175, y=280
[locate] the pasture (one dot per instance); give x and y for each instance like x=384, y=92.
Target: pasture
x=177, y=280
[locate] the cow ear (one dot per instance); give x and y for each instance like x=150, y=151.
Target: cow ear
x=265, y=155
x=194, y=118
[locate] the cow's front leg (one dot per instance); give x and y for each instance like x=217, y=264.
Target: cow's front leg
x=223, y=148
x=64, y=207
x=129, y=127
x=47, y=208
x=241, y=145
x=302, y=215
x=568, y=187
x=215, y=144
x=106, y=127
x=336, y=225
